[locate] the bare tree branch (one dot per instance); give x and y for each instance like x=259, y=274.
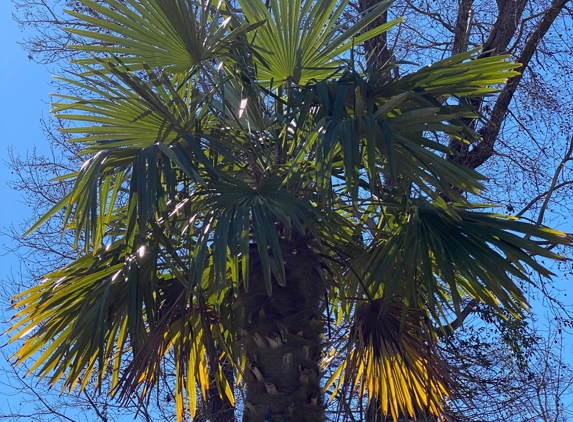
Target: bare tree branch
x=463, y=26
x=482, y=151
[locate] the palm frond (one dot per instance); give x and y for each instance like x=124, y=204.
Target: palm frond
x=438, y=255
x=176, y=35
x=301, y=41
x=392, y=359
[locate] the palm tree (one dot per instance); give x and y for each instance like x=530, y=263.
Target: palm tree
x=233, y=205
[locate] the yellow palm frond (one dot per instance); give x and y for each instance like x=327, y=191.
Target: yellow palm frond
x=392, y=359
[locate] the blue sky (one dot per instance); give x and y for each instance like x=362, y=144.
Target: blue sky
x=24, y=86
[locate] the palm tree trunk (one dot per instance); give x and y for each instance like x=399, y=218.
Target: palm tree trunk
x=281, y=339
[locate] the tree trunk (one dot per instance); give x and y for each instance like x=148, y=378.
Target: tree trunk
x=502, y=33
x=376, y=49
x=281, y=339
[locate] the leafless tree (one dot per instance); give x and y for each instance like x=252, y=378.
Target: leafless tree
x=511, y=370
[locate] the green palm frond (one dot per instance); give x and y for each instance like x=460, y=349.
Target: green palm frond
x=91, y=312
x=265, y=210
x=151, y=176
x=301, y=40
x=73, y=306
x=462, y=75
x=123, y=110
x=368, y=128
x=244, y=109
x=176, y=35
x=438, y=255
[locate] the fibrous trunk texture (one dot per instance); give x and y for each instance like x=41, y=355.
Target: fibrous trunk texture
x=281, y=337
